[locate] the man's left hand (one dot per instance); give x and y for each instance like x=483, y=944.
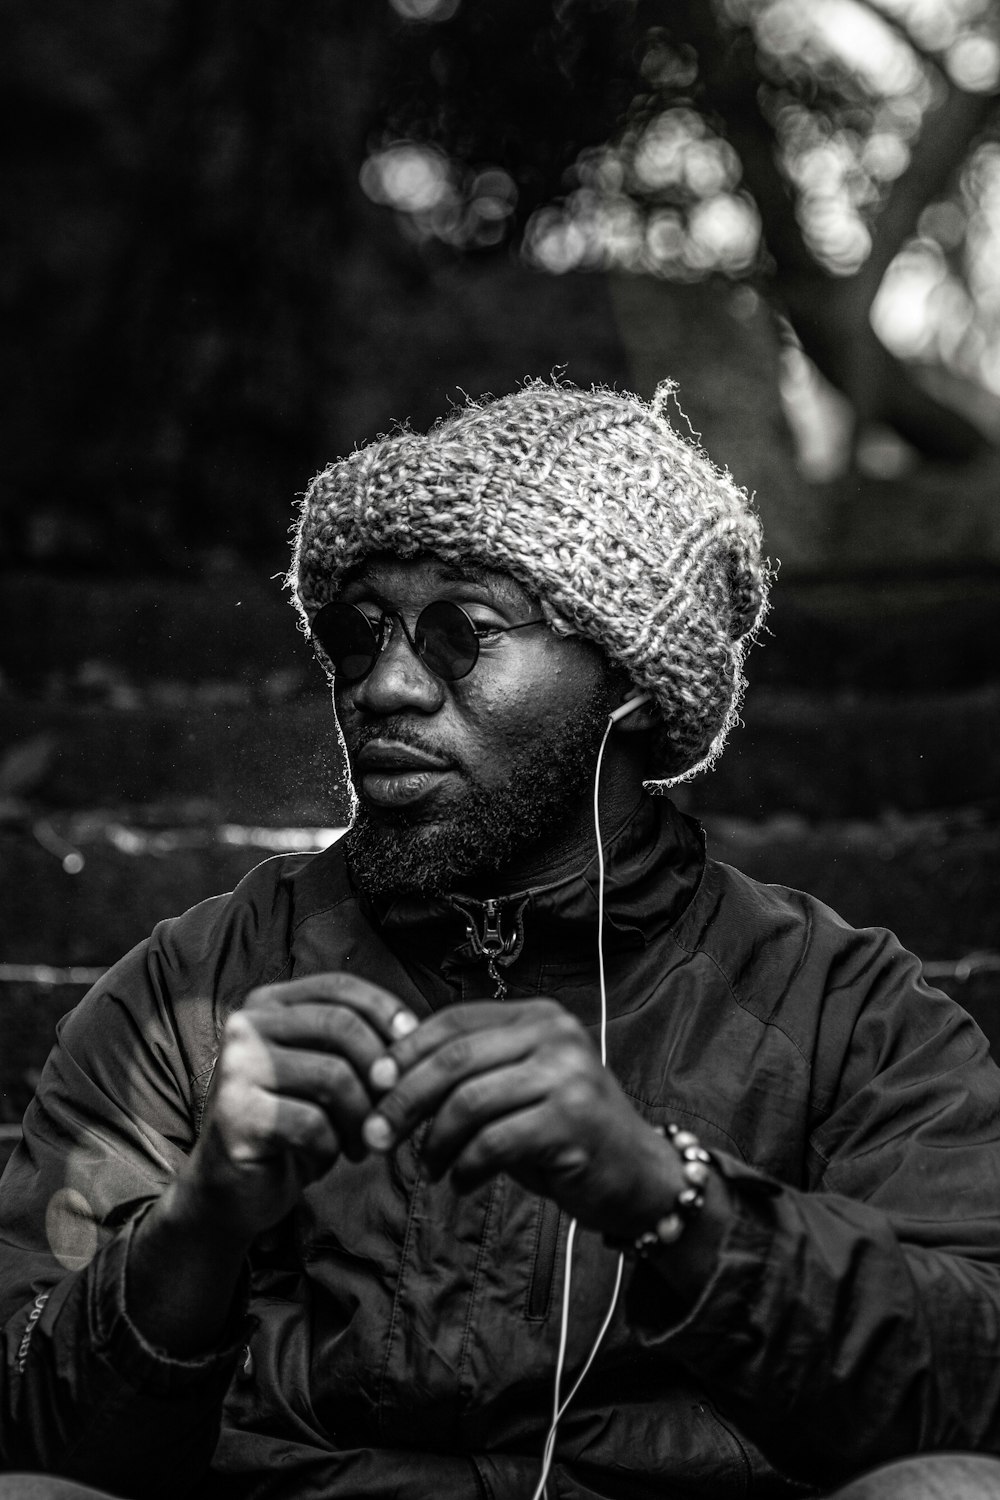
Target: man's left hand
x=518, y=1087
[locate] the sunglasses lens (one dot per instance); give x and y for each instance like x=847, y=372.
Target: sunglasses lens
x=446, y=640
x=346, y=635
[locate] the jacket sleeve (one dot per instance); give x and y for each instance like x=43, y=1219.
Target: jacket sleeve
x=82, y=1394
x=858, y=1320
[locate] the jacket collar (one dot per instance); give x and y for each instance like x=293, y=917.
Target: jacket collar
x=653, y=864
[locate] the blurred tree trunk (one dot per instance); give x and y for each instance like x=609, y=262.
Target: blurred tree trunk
x=720, y=344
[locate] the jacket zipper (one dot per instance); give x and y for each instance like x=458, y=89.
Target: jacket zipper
x=543, y=1271
x=491, y=944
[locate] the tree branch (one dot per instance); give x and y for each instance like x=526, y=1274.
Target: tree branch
x=832, y=314
x=937, y=155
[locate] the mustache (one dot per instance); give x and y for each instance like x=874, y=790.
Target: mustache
x=400, y=733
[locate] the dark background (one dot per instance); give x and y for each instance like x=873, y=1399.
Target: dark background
x=242, y=237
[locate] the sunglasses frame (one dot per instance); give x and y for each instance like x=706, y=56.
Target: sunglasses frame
x=379, y=639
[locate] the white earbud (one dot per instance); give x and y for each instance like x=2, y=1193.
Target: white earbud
x=636, y=701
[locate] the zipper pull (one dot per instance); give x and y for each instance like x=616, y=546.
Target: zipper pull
x=492, y=939
x=500, y=991
x=490, y=943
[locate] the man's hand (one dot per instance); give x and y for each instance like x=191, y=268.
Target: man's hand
x=518, y=1087
x=291, y=1092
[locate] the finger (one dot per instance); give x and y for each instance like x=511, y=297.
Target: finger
x=307, y=1131
x=531, y=1144
x=330, y=1082
x=318, y=1052
x=258, y=1125
x=420, y=1091
x=479, y=1015
x=477, y=1102
x=389, y=1016
x=336, y=1029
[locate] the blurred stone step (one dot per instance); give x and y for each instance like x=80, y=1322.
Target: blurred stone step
x=233, y=627
x=912, y=633
x=265, y=764
x=84, y=888
x=825, y=756
x=818, y=756
x=932, y=881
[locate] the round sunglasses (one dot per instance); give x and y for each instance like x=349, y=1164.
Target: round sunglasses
x=444, y=638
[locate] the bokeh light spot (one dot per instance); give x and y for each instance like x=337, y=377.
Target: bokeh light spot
x=70, y=1229
x=886, y=156
x=835, y=234
x=725, y=233
x=974, y=63
x=666, y=237
x=661, y=155
x=710, y=167
x=810, y=37
x=553, y=242
x=899, y=313
x=425, y=10
x=410, y=177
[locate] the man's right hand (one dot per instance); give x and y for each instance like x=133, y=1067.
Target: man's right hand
x=292, y=1088
x=291, y=1091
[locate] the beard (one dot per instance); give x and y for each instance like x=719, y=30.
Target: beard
x=482, y=829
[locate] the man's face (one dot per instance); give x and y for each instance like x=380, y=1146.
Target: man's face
x=490, y=775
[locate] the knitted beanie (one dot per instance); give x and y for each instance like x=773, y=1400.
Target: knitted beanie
x=623, y=530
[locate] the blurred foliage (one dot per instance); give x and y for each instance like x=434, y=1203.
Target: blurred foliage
x=842, y=155
x=214, y=205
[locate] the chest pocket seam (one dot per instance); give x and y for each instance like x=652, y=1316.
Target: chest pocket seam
x=463, y=1359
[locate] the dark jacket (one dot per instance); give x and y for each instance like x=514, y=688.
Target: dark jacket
x=401, y=1340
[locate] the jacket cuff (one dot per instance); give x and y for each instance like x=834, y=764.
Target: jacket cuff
x=690, y=1329
x=138, y=1362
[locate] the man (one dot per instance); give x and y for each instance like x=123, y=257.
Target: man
x=327, y=1191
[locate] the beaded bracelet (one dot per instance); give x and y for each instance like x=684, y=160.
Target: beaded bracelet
x=695, y=1163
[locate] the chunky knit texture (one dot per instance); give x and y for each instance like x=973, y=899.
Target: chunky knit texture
x=624, y=531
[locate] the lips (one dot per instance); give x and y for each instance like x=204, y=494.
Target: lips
x=386, y=758
x=393, y=775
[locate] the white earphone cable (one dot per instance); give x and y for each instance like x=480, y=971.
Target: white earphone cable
x=559, y=1406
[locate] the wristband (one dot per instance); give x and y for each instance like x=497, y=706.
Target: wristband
x=695, y=1164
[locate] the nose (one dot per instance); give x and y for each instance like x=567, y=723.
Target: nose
x=399, y=681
